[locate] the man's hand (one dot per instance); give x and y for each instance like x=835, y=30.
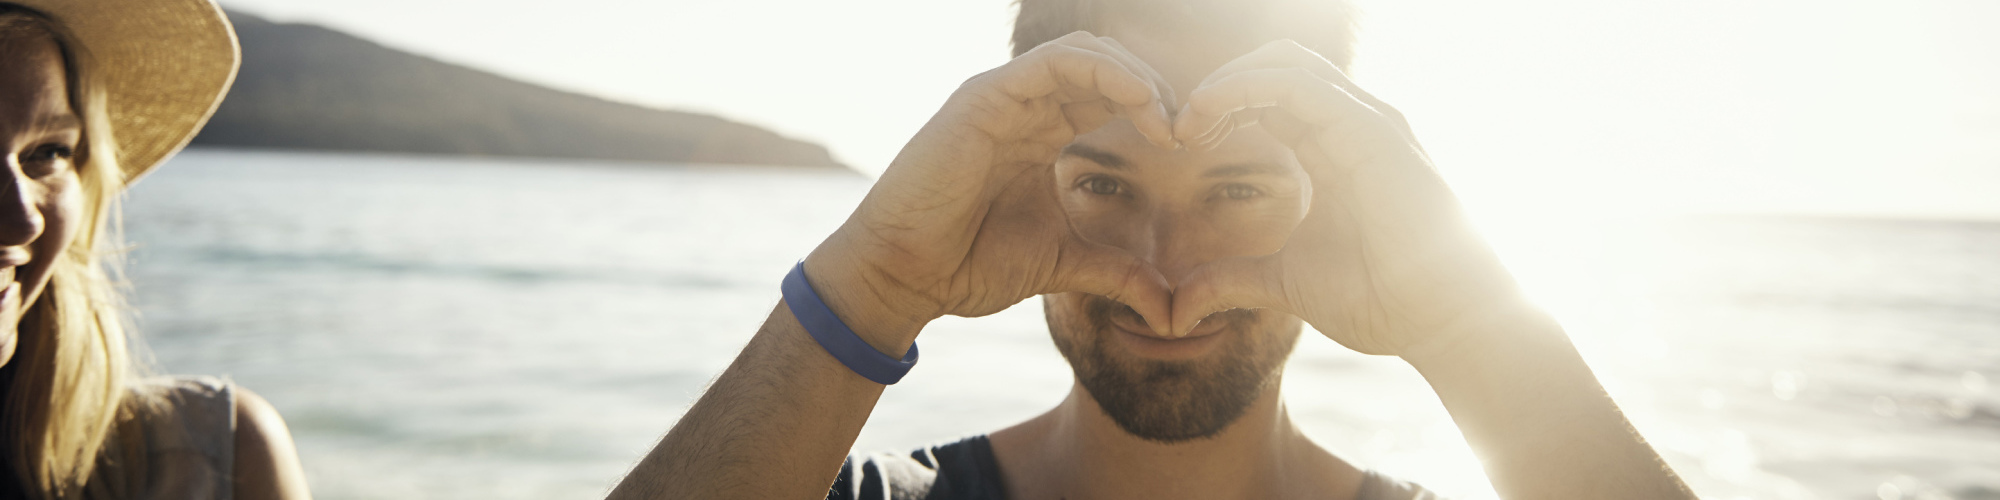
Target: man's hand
x=1384, y=260
x=963, y=221
x=1386, y=263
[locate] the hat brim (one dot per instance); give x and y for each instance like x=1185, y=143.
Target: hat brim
x=164, y=65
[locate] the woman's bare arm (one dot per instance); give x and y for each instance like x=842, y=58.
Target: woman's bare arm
x=267, y=463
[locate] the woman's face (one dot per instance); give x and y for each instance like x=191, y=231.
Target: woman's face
x=40, y=199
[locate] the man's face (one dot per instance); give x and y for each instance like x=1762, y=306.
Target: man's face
x=1177, y=210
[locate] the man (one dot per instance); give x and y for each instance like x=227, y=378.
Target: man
x=1183, y=195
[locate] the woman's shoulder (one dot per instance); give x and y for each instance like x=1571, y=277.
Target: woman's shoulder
x=179, y=441
x=178, y=411
x=210, y=438
x=198, y=390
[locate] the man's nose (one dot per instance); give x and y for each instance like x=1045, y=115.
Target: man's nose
x=1167, y=241
x=20, y=217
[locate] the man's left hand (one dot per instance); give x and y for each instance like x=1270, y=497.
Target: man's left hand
x=1385, y=261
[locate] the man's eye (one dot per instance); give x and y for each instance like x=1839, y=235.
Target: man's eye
x=1240, y=191
x=1102, y=186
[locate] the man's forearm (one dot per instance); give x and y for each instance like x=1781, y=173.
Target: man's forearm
x=1538, y=419
x=776, y=424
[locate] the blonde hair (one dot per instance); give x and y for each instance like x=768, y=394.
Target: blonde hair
x=65, y=391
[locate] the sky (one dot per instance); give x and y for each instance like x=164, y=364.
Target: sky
x=1532, y=109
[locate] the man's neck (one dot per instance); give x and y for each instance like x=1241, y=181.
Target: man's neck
x=1077, y=452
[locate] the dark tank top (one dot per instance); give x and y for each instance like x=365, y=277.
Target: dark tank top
x=966, y=470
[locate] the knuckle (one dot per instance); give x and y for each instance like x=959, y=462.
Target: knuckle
x=1073, y=57
x=1044, y=51
x=1077, y=36
x=981, y=79
x=1051, y=48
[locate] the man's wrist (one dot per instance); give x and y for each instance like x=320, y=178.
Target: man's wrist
x=1498, y=332
x=861, y=305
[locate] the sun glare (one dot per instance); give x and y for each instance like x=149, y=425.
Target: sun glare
x=1575, y=108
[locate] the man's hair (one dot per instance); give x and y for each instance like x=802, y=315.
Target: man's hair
x=1325, y=26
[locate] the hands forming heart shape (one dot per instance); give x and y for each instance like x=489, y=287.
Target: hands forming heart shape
x=964, y=221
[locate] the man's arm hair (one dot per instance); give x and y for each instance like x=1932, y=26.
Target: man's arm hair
x=776, y=424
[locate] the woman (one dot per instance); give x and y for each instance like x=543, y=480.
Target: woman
x=78, y=421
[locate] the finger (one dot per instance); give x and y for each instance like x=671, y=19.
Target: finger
x=1232, y=283
x=1313, y=101
x=1163, y=92
x=1214, y=133
x=1161, y=87
x=1194, y=128
x=1274, y=55
x=1283, y=125
x=1287, y=51
x=1283, y=54
x=1053, y=67
x=1277, y=122
x=1088, y=115
x=1289, y=54
x=1096, y=268
x=1237, y=121
x=1080, y=61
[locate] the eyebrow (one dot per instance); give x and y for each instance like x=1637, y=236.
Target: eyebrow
x=1112, y=161
x=59, y=122
x=1101, y=157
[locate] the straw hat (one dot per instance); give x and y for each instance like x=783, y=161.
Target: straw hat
x=164, y=65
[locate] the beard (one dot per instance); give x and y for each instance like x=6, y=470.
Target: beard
x=1172, y=401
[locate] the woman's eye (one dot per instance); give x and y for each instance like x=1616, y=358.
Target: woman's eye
x=1102, y=186
x=46, y=159
x=1240, y=191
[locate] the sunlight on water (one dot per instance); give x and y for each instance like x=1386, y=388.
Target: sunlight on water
x=1731, y=343
x=505, y=329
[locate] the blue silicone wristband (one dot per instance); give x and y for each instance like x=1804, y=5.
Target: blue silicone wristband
x=838, y=340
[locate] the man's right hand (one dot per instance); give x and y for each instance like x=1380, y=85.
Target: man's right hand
x=964, y=221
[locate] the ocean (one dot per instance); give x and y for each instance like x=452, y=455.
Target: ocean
x=447, y=328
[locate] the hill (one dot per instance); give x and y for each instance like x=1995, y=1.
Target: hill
x=308, y=87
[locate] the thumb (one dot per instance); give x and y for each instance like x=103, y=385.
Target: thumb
x=1096, y=268
x=1232, y=283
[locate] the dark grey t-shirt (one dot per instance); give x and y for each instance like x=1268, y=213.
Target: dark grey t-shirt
x=966, y=470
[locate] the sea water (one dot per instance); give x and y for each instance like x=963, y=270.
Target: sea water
x=501, y=329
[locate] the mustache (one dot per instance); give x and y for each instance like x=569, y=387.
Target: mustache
x=1100, y=310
